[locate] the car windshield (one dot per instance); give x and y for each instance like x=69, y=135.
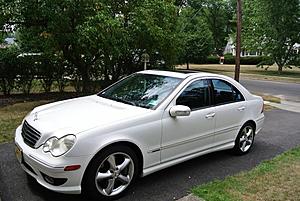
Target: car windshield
x=142, y=90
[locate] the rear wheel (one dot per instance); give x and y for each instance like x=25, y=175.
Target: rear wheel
x=110, y=173
x=245, y=139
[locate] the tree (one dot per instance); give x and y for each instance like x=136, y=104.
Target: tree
x=51, y=28
x=274, y=28
x=99, y=39
x=104, y=37
x=218, y=16
x=8, y=69
x=196, y=38
x=154, y=30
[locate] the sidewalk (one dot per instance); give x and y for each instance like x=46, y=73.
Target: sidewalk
x=286, y=105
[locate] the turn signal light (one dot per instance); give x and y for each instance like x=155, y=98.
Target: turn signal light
x=72, y=167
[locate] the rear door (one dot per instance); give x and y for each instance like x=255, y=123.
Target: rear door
x=230, y=109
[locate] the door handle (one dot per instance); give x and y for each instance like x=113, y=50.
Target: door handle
x=210, y=115
x=241, y=108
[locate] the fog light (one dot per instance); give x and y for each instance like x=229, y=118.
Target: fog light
x=54, y=181
x=48, y=179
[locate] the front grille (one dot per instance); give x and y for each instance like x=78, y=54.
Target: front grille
x=30, y=135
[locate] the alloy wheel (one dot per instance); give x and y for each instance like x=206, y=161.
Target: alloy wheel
x=114, y=174
x=246, y=139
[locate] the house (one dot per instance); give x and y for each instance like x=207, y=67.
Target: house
x=230, y=49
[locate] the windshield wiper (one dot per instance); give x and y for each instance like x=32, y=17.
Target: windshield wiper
x=123, y=101
x=117, y=99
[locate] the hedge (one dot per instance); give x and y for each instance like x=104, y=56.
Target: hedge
x=229, y=59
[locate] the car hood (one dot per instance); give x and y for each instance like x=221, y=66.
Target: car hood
x=77, y=115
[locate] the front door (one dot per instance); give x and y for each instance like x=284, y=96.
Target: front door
x=189, y=134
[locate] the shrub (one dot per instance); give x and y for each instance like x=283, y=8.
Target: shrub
x=8, y=69
x=229, y=59
x=27, y=71
x=212, y=60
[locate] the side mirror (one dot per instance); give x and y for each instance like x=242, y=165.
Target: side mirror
x=180, y=110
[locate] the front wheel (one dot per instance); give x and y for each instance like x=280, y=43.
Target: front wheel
x=110, y=173
x=245, y=139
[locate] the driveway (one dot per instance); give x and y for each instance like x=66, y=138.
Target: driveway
x=288, y=91
x=281, y=132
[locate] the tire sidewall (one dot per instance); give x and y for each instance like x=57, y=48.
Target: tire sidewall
x=236, y=148
x=88, y=183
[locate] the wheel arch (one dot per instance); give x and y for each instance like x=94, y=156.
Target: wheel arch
x=250, y=122
x=131, y=145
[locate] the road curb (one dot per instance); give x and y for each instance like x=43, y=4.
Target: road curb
x=286, y=105
x=191, y=197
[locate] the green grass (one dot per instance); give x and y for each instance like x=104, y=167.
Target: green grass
x=11, y=116
x=273, y=180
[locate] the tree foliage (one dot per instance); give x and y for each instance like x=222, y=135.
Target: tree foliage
x=8, y=69
x=91, y=40
x=98, y=39
x=196, y=38
x=218, y=15
x=274, y=28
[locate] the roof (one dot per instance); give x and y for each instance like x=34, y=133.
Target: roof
x=177, y=74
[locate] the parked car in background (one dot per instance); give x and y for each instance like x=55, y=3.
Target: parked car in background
x=148, y=121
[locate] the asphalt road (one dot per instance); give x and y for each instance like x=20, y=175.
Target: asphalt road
x=280, y=133
x=289, y=91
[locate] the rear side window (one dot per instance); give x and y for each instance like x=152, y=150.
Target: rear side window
x=195, y=96
x=225, y=92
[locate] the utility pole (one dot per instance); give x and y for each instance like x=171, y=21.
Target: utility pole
x=238, y=40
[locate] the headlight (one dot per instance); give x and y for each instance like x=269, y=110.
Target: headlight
x=58, y=147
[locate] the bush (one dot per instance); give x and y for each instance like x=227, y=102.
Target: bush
x=229, y=59
x=27, y=71
x=212, y=60
x=8, y=69
x=266, y=60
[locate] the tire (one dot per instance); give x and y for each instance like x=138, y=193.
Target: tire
x=244, y=140
x=110, y=173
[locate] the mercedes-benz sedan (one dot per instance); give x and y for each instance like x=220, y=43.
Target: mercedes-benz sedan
x=148, y=121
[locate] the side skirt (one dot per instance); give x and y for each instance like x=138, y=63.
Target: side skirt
x=166, y=164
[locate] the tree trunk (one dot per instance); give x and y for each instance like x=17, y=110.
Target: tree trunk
x=279, y=69
x=187, y=65
x=85, y=79
x=46, y=84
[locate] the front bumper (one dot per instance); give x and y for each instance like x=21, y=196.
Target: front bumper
x=38, y=164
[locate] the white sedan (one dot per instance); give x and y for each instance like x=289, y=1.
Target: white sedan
x=147, y=121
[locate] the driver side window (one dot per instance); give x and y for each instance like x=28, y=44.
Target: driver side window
x=195, y=96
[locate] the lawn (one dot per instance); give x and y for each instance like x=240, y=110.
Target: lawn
x=273, y=180
x=250, y=72
x=11, y=116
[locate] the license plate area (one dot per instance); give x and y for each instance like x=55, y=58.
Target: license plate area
x=19, y=153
